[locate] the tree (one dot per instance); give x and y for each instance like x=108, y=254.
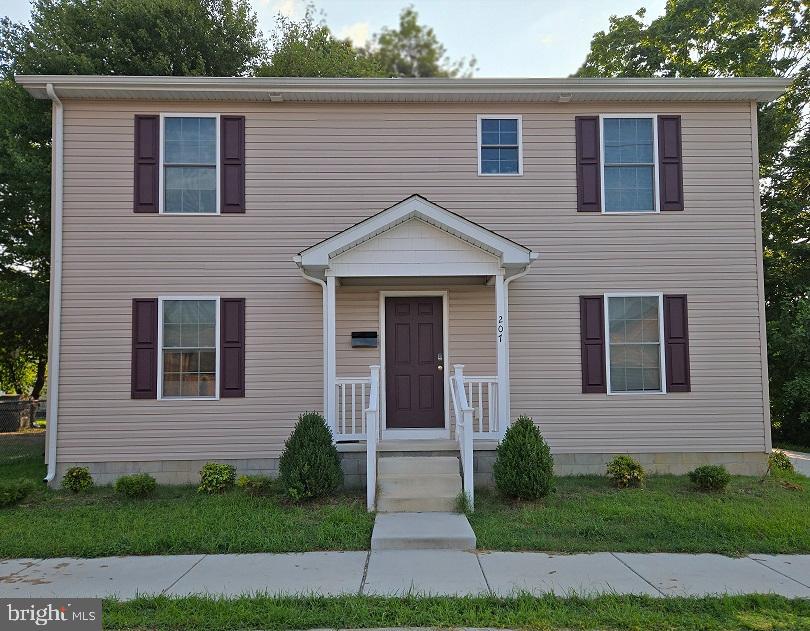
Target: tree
x=137, y=37
x=413, y=50
x=700, y=38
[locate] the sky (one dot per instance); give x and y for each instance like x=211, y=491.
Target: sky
x=509, y=38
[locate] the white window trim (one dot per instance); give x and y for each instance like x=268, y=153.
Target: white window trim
x=519, y=119
x=163, y=117
x=160, y=396
x=661, y=346
x=656, y=201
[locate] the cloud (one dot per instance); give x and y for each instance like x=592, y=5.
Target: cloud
x=357, y=33
x=547, y=40
x=287, y=8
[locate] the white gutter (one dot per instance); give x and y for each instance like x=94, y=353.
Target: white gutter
x=325, y=333
x=55, y=324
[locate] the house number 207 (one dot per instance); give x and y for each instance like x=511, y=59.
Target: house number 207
x=500, y=328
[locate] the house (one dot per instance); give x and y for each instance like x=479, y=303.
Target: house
x=423, y=259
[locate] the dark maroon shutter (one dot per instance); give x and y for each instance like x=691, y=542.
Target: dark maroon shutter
x=233, y=164
x=232, y=348
x=589, y=192
x=592, y=333
x=676, y=343
x=144, y=348
x=670, y=163
x=147, y=156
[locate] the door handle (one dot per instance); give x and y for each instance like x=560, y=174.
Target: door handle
x=440, y=359
x=440, y=367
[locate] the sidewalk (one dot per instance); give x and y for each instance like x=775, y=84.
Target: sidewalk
x=394, y=572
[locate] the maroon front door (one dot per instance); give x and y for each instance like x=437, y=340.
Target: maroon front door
x=414, y=362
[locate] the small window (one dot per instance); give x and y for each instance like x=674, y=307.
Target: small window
x=500, y=151
x=190, y=164
x=634, y=343
x=189, y=348
x=628, y=174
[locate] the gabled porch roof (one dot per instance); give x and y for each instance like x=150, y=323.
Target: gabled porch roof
x=512, y=257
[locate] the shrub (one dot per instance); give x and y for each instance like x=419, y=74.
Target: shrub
x=14, y=491
x=136, y=485
x=523, y=465
x=778, y=461
x=310, y=465
x=216, y=477
x=624, y=471
x=710, y=477
x=255, y=484
x=77, y=479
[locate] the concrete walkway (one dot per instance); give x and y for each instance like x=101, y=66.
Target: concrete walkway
x=394, y=572
x=800, y=460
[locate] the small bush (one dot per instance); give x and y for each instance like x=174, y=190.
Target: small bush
x=710, y=477
x=625, y=472
x=523, y=466
x=463, y=503
x=137, y=485
x=14, y=491
x=255, y=484
x=216, y=477
x=778, y=461
x=77, y=479
x=310, y=465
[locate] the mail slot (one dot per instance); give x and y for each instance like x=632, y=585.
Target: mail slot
x=364, y=339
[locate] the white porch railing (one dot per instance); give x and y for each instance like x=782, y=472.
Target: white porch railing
x=464, y=430
x=372, y=416
x=482, y=395
x=352, y=402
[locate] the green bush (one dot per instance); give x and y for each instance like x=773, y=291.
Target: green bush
x=310, y=465
x=216, y=477
x=523, y=466
x=625, y=472
x=255, y=484
x=136, y=485
x=77, y=479
x=778, y=461
x=14, y=491
x=710, y=477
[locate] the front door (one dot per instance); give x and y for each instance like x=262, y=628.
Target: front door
x=414, y=362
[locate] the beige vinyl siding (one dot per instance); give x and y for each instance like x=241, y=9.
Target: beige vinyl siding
x=313, y=170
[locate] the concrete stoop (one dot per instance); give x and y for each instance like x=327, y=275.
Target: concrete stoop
x=417, y=483
x=422, y=531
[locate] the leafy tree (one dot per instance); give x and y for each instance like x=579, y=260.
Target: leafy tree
x=137, y=37
x=704, y=38
x=413, y=50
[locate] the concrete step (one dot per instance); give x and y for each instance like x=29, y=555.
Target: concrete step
x=423, y=445
x=420, y=485
x=422, y=531
x=415, y=504
x=417, y=465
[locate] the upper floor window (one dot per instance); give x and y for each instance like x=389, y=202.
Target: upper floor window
x=188, y=347
x=190, y=166
x=500, y=149
x=634, y=348
x=628, y=164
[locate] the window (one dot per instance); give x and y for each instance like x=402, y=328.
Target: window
x=628, y=164
x=499, y=148
x=189, y=172
x=634, y=357
x=189, y=347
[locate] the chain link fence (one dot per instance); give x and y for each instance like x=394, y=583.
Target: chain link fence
x=22, y=433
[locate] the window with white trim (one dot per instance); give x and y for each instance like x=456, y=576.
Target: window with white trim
x=189, y=347
x=628, y=164
x=634, y=343
x=189, y=170
x=499, y=146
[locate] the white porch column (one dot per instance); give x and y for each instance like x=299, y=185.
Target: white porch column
x=502, y=344
x=331, y=355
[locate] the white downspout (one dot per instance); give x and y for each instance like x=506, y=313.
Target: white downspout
x=55, y=324
x=322, y=283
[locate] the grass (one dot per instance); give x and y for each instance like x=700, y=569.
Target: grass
x=585, y=514
x=524, y=612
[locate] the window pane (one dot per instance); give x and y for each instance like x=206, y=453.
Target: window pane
x=190, y=190
x=628, y=140
x=629, y=189
x=499, y=145
x=189, y=348
x=190, y=140
x=634, y=344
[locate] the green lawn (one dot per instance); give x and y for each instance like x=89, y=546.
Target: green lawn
x=586, y=514
x=548, y=612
